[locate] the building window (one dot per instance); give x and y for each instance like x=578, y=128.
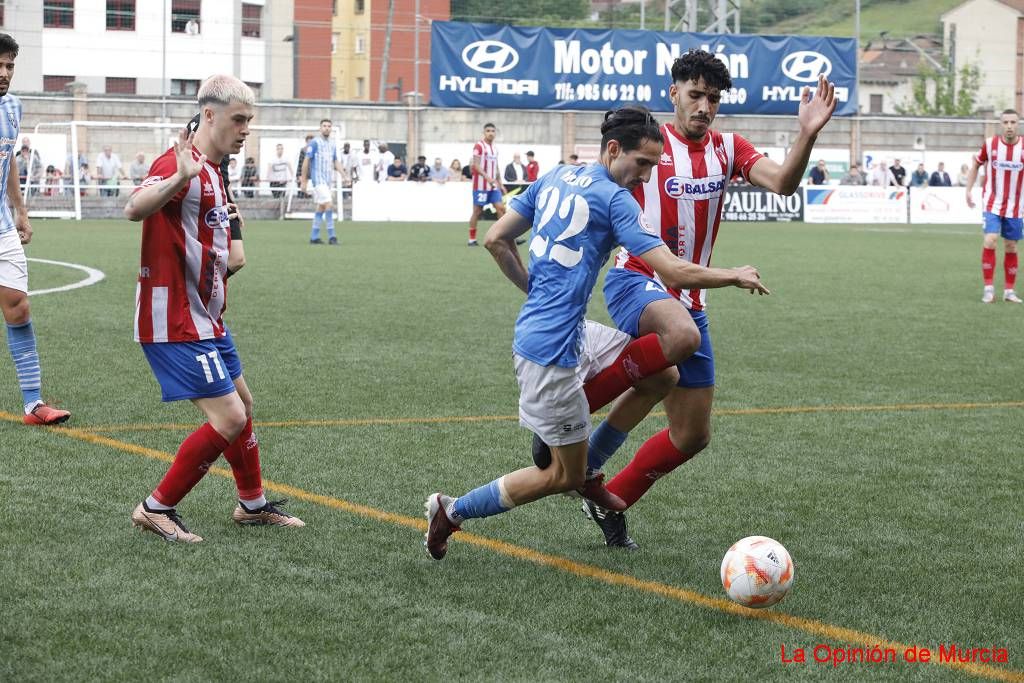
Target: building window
x=120, y=15
x=251, y=20
x=56, y=83
x=120, y=86
x=58, y=13
x=334, y=42
x=184, y=88
x=360, y=88
x=185, y=16
x=875, y=107
x=360, y=44
x=360, y=6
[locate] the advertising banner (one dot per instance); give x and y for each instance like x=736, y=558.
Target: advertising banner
x=855, y=204
x=748, y=203
x=944, y=205
x=523, y=67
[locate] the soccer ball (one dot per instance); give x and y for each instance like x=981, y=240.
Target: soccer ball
x=757, y=571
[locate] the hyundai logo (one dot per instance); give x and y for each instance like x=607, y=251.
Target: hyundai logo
x=805, y=66
x=490, y=56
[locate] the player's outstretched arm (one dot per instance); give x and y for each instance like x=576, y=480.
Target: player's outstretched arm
x=815, y=112
x=680, y=274
x=149, y=199
x=501, y=242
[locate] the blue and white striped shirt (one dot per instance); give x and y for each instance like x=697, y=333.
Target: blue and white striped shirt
x=320, y=155
x=10, y=124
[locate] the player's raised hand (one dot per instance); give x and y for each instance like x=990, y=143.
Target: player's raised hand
x=188, y=166
x=816, y=110
x=748, y=278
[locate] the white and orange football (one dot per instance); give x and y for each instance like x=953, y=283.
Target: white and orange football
x=757, y=571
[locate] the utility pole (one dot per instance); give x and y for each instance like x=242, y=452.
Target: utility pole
x=387, y=53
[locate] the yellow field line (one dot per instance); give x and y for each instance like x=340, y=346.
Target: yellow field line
x=362, y=422
x=809, y=626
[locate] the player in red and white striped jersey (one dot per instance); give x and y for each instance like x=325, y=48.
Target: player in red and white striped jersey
x=683, y=200
x=1003, y=158
x=181, y=294
x=486, y=185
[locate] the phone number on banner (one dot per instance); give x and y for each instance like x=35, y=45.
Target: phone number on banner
x=612, y=92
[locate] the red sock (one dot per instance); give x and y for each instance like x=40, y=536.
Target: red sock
x=643, y=357
x=1010, y=268
x=472, y=233
x=654, y=459
x=988, y=265
x=195, y=455
x=244, y=457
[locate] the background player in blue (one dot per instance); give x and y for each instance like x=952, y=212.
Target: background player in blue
x=321, y=162
x=577, y=216
x=15, y=230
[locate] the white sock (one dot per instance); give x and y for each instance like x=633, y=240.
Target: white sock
x=153, y=504
x=254, y=504
x=29, y=407
x=450, y=511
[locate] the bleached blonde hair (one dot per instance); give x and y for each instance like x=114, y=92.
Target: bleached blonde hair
x=223, y=89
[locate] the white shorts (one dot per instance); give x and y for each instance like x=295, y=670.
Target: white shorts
x=552, y=404
x=13, y=266
x=322, y=193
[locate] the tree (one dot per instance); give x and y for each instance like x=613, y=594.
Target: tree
x=528, y=12
x=945, y=91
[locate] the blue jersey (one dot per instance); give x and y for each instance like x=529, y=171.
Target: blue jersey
x=10, y=123
x=579, y=215
x=321, y=153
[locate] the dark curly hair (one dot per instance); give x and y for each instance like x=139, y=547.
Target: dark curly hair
x=696, y=64
x=8, y=45
x=630, y=125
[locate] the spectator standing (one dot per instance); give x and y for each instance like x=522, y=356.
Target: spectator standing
x=84, y=179
x=919, y=178
x=438, y=172
x=853, y=176
x=882, y=176
x=139, y=169
x=532, y=168
x=467, y=172
x=250, y=176
x=53, y=181
x=397, y=169
x=574, y=160
x=940, y=178
x=279, y=172
x=961, y=177
x=109, y=172
x=26, y=168
x=234, y=172
x=70, y=165
x=819, y=174
x=455, y=169
x=365, y=163
x=420, y=172
x=515, y=172
x=347, y=160
x=899, y=174
x=384, y=161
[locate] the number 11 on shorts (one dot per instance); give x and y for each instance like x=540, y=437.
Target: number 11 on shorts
x=206, y=365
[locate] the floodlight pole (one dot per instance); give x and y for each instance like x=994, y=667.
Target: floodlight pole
x=163, y=68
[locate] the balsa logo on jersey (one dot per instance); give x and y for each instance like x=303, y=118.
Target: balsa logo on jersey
x=696, y=189
x=217, y=217
x=1004, y=165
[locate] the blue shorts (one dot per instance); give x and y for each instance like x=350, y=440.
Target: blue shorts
x=627, y=293
x=1009, y=228
x=200, y=369
x=484, y=197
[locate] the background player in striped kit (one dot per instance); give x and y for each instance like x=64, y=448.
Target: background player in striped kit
x=683, y=202
x=1003, y=157
x=322, y=160
x=15, y=230
x=181, y=295
x=486, y=185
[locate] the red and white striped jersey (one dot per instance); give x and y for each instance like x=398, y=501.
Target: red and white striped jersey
x=684, y=198
x=488, y=155
x=1003, y=176
x=182, y=289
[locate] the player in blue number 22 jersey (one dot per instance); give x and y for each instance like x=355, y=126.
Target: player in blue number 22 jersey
x=566, y=365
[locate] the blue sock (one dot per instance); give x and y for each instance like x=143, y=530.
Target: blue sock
x=329, y=218
x=317, y=217
x=21, y=341
x=604, y=441
x=480, y=502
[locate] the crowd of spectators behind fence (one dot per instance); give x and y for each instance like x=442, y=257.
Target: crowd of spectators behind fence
x=883, y=175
